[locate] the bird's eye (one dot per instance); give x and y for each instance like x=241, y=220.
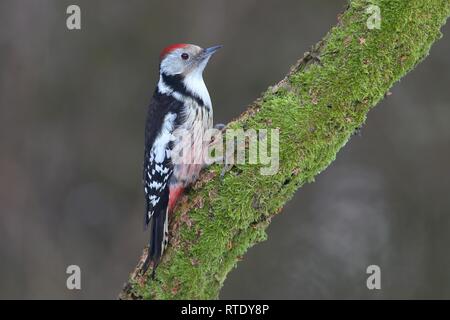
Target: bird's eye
x=184, y=56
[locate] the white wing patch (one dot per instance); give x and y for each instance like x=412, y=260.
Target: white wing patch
x=155, y=185
x=164, y=138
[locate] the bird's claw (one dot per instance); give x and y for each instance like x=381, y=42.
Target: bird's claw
x=220, y=126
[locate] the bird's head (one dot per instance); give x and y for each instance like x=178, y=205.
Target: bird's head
x=185, y=59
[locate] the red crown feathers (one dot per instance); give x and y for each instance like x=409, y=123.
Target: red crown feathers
x=169, y=49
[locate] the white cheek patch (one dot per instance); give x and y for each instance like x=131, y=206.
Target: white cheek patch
x=195, y=84
x=172, y=63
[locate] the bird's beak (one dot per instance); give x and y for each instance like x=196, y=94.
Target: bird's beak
x=208, y=52
x=203, y=57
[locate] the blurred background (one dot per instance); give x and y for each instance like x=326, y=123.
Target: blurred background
x=72, y=111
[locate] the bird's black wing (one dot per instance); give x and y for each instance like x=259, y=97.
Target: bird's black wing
x=163, y=116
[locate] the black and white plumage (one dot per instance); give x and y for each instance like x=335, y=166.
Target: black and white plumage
x=180, y=108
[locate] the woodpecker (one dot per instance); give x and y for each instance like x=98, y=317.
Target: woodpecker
x=180, y=107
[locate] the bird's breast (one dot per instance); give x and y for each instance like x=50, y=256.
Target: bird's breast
x=191, y=143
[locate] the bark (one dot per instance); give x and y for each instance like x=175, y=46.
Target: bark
x=317, y=107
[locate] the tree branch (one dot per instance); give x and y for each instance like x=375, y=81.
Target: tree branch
x=317, y=107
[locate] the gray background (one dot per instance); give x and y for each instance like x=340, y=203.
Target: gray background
x=72, y=107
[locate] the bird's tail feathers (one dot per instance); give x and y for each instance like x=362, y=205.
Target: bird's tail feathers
x=159, y=236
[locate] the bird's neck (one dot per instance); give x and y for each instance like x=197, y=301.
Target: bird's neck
x=189, y=86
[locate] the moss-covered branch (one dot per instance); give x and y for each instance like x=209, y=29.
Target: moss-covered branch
x=317, y=107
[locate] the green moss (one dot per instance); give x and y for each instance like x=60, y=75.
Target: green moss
x=317, y=111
